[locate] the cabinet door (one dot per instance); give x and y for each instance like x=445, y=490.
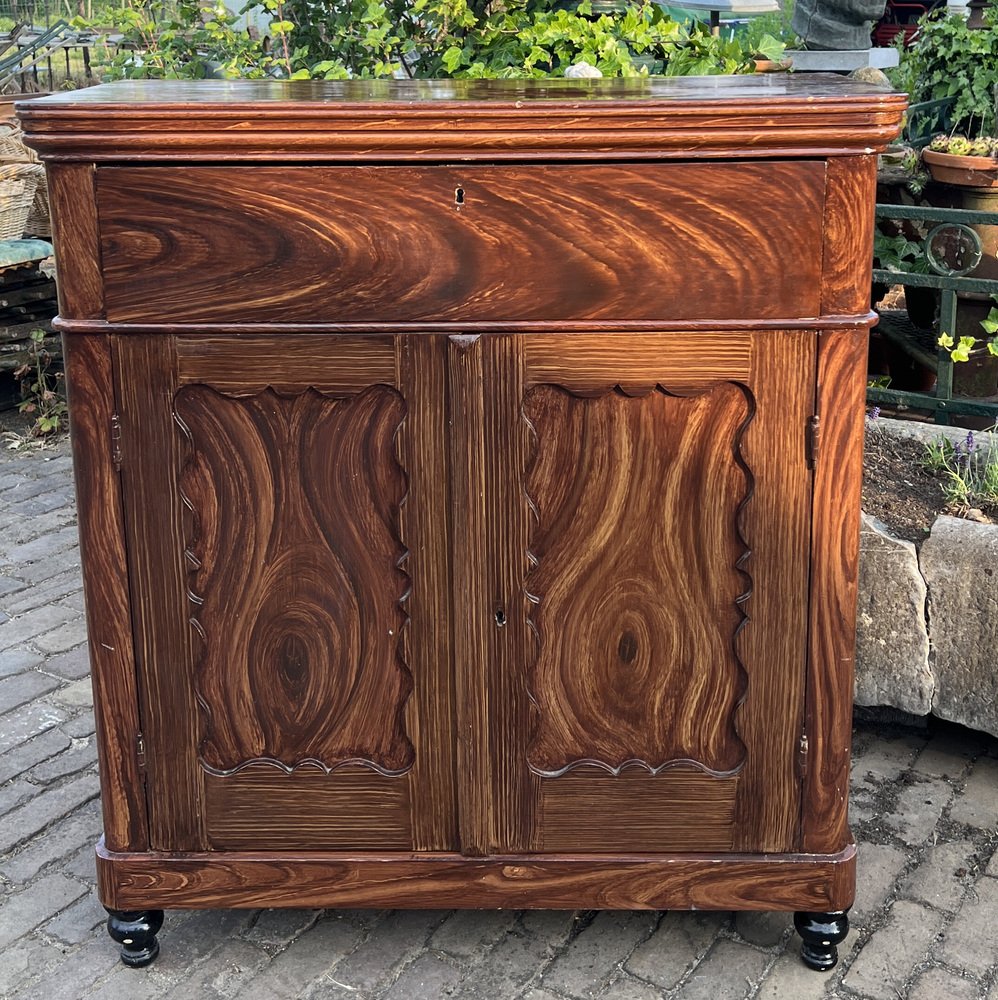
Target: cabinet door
x=286, y=520
x=631, y=533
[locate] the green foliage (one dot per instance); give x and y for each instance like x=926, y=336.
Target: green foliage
x=951, y=60
x=768, y=47
x=185, y=39
x=521, y=38
x=424, y=38
x=990, y=324
x=898, y=253
x=40, y=388
x=960, y=351
x=769, y=35
x=515, y=41
x=969, y=472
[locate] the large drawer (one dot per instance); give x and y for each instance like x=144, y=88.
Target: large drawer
x=452, y=244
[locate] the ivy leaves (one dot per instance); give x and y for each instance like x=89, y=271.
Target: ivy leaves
x=328, y=39
x=960, y=351
x=515, y=41
x=952, y=60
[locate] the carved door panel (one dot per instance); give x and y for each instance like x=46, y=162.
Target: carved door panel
x=638, y=660
x=286, y=506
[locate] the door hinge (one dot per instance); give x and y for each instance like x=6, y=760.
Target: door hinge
x=140, y=752
x=813, y=440
x=116, y=441
x=802, y=755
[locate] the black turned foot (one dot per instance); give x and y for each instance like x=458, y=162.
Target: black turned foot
x=136, y=932
x=821, y=933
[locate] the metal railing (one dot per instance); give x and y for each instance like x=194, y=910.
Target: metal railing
x=951, y=278
x=46, y=58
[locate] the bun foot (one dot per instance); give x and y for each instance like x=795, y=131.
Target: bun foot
x=821, y=932
x=136, y=932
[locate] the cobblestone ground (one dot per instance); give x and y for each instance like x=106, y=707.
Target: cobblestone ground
x=925, y=808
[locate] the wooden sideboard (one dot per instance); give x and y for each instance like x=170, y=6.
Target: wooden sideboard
x=468, y=481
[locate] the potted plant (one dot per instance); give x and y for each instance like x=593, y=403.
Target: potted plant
x=955, y=159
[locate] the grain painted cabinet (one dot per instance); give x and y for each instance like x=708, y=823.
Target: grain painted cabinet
x=468, y=480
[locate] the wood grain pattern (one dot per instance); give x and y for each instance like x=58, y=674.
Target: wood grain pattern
x=426, y=532
x=145, y=380
x=580, y=362
x=638, y=578
x=76, y=240
x=847, y=252
x=487, y=120
x=89, y=384
x=262, y=808
x=268, y=477
x=662, y=882
x=363, y=244
x=520, y=794
x=356, y=351
x=515, y=788
x=297, y=589
x=470, y=327
x=247, y=365
x=841, y=389
x=469, y=594
x=774, y=640
x=645, y=815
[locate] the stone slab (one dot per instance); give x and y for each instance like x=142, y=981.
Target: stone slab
x=976, y=804
x=959, y=561
x=969, y=942
x=892, y=642
x=842, y=60
x=680, y=941
x=930, y=433
x=935, y=983
x=592, y=957
x=884, y=965
x=730, y=971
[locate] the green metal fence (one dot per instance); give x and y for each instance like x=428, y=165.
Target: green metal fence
x=950, y=277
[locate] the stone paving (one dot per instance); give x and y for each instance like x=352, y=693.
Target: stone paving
x=925, y=805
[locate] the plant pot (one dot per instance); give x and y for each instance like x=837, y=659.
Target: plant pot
x=963, y=171
x=771, y=65
x=984, y=200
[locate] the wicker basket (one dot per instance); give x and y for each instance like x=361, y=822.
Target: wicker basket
x=14, y=152
x=18, y=183
x=39, y=223
x=12, y=148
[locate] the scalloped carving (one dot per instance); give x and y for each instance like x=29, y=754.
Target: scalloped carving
x=297, y=583
x=638, y=587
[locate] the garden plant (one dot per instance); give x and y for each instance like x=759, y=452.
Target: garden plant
x=337, y=39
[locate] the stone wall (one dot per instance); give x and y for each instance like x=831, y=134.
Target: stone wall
x=927, y=624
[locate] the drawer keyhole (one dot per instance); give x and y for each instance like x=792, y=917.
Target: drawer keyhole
x=459, y=196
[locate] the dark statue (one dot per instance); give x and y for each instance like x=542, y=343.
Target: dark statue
x=836, y=24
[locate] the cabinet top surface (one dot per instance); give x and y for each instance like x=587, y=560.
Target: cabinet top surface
x=764, y=114
x=754, y=88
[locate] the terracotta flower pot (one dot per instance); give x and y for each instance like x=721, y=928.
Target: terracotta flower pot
x=966, y=171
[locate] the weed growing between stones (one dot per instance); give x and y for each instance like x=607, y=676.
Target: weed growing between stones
x=41, y=389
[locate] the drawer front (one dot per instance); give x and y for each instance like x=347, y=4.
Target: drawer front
x=521, y=244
